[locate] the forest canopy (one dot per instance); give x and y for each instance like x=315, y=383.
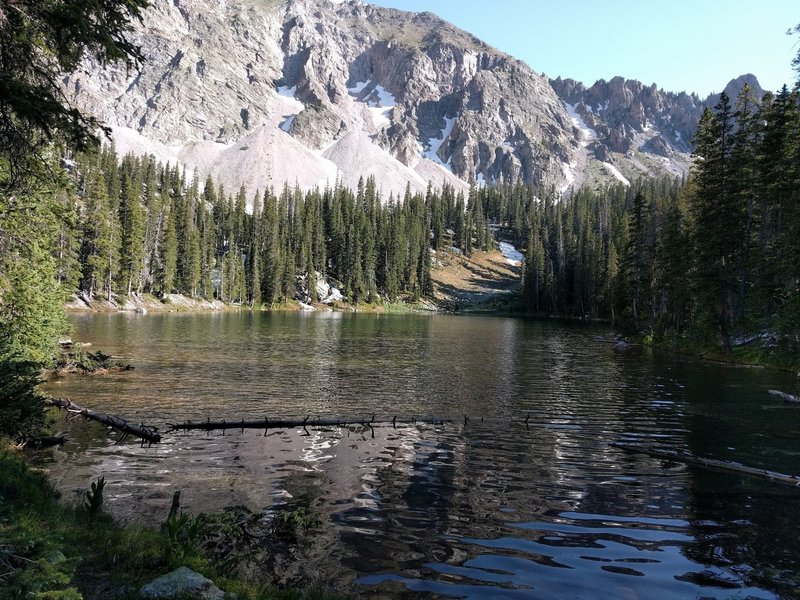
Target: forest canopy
x=39, y=42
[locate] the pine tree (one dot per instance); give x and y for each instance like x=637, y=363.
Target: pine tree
x=744, y=187
x=254, y=254
x=271, y=275
x=153, y=224
x=31, y=306
x=132, y=221
x=207, y=238
x=718, y=222
x=637, y=259
x=68, y=244
x=96, y=235
x=189, y=259
x=168, y=249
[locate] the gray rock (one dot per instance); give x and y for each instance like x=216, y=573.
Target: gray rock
x=213, y=69
x=632, y=118
x=207, y=97
x=182, y=582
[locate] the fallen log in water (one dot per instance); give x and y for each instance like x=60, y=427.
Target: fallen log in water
x=786, y=397
x=267, y=423
x=142, y=431
x=47, y=441
x=724, y=465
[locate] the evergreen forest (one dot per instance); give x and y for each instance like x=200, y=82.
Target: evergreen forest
x=711, y=257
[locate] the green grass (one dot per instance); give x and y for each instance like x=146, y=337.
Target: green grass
x=50, y=550
x=707, y=348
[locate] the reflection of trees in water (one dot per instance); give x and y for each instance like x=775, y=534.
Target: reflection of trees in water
x=409, y=492
x=747, y=527
x=404, y=499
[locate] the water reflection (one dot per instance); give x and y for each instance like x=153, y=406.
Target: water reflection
x=490, y=508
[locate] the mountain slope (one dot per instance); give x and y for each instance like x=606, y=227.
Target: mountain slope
x=638, y=129
x=267, y=92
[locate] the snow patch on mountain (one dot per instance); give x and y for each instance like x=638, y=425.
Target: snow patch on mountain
x=288, y=107
x=287, y=124
x=587, y=133
x=569, y=175
x=615, y=172
x=512, y=255
x=379, y=101
x=381, y=104
x=435, y=144
x=359, y=87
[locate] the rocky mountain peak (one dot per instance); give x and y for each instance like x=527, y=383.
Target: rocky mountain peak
x=734, y=88
x=642, y=126
x=265, y=92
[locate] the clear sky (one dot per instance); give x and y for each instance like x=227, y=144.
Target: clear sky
x=681, y=45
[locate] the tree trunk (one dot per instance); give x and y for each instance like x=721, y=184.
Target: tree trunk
x=143, y=432
x=723, y=465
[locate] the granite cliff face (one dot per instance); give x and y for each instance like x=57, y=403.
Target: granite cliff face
x=267, y=92
x=642, y=128
x=261, y=93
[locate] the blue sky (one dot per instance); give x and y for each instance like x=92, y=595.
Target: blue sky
x=680, y=45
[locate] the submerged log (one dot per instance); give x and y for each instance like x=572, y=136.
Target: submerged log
x=47, y=441
x=724, y=465
x=142, y=431
x=267, y=423
x=786, y=397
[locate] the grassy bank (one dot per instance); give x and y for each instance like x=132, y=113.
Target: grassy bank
x=780, y=357
x=50, y=550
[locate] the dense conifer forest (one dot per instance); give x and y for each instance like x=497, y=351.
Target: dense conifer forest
x=713, y=255
x=717, y=255
x=138, y=226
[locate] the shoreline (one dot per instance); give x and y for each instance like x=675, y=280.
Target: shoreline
x=145, y=304
x=742, y=356
x=500, y=304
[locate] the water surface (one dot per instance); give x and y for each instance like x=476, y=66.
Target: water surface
x=490, y=508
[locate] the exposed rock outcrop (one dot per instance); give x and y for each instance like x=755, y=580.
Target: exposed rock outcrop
x=267, y=92
x=305, y=91
x=641, y=129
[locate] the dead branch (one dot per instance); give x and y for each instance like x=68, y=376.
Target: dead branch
x=267, y=423
x=711, y=463
x=142, y=431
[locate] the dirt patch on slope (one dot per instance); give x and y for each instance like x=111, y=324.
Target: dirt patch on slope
x=475, y=281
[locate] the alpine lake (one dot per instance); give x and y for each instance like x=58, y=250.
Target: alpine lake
x=525, y=498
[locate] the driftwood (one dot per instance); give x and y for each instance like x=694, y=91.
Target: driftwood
x=786, y=397
x=724, y=465
x=267, y=423
x=142, y=431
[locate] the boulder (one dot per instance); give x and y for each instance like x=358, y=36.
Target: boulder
x=184, y=583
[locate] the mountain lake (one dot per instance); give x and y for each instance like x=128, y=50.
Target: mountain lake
x=487, y=507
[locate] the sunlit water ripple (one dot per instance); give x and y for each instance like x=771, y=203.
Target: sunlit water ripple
x=487, y=508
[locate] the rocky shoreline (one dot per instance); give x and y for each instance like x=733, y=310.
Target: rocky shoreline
x=145, y=303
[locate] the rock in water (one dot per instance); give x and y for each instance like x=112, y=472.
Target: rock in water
x=184, y=583
x=786, y=397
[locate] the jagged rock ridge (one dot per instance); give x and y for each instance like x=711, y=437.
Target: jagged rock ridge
x=267, y=92
x=643, y=128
